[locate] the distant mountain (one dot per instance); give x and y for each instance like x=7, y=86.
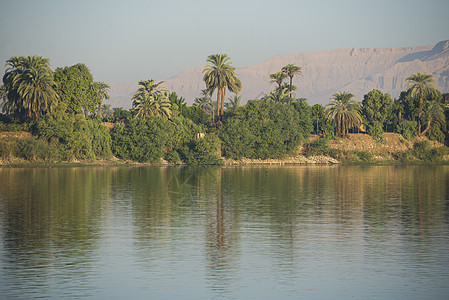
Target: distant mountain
x=357, y=70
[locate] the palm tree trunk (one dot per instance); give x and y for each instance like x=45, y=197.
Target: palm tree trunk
x=420, y=111
x=218, y=102
x=427, y=128
x=222, y=99
x=291, y=82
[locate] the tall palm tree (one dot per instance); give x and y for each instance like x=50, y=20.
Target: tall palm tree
x=219, y=74
x=417, y=85
x=150, y=100
x=29, y=86
x=103, y=91
x=291, y=70
x=278, y=78
x=435, y=115
x=344, y=112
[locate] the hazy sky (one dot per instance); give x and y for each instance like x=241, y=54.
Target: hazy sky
x=130, y=40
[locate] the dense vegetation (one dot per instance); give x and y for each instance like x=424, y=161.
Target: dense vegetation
x=65, y=114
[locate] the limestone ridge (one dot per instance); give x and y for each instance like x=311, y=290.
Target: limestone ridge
x=357, y=70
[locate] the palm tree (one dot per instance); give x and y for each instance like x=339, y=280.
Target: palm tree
x=291, y=70
x=204, y=102
x=435, y=115
x=106, y=110
x=344, y=112
x=150, y=100
x=219, y=75
x=29, y=86
x=234, y=102
x=417, y=85
x=280, y=95
x=278, y=78
x=103, y=91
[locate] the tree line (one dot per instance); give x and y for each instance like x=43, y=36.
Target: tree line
x=65, y=112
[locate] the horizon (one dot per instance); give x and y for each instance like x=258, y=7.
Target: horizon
x=138, y=40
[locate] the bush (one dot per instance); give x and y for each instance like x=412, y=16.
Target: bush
x=204, y=151
x=33, y=149
x=320, y=147
x=408, y=129
x=264, y=129
x=196, y=114
x=435, y=133
x=140, y=140
x=375, y=130
x=172, y=156
x=101, y=139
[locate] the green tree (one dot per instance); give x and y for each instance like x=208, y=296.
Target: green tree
x=234, y=102
x=177, y=102
x=150, y=100
x=77, y=89
x=279, y=95
x=264, y=129
x=219, y=74
x=102, y=90
x=376, y=106
x=417, y=85
x=29, y=86
x=344, y=111
x=204, y=102
x=435, y=116
x=318, y=118
x=291, y=70
x=278, y=78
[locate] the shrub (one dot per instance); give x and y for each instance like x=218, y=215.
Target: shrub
x=172, y=156
x=408, y=129
x=204, y=151
x=141, y=139
x=196, y=114
x=375, y=130
x=264, y=129
x=35, y=149
x=320, y=147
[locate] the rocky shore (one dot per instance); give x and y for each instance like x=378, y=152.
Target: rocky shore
x=296, y=160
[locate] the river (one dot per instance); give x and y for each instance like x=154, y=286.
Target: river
x=299, y=232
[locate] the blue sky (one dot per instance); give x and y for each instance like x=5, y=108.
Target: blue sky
x=127, y=41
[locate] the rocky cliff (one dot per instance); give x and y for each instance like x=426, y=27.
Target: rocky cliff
x=357, y=70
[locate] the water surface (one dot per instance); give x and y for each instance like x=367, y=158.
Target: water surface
x=318, y=232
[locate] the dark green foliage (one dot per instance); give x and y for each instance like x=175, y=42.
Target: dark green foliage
x=408, y=129
x=375, y=130
x=264, y=129
x=74, y=136
x=33, y=149
x=76, y=89
x=101, y=139
x=147, y=140
x=172, y=156
x=318, y=119
x=376, y=107
x=140, y=140
x=196, y=114
x=423, y=151
x=203, y=151
x=30, y=148
x=435, y=133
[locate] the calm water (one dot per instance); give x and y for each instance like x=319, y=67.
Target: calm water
x=225, y=233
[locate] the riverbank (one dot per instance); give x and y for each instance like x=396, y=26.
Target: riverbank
x=354, y=149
